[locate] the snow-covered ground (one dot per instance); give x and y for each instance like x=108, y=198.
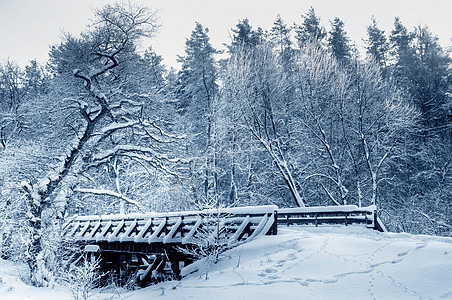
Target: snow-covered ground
x=330, y=262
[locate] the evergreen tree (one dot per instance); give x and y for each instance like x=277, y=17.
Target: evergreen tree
x=198, y=87
x=421, y=67
x=280, y=37
x=402, y=53
x=155, y=67
x=310, y=29
x=400, y=39
x=377, y=45
x=245, y=36
x=198, y=75
x=429, y=78
x=338, y=41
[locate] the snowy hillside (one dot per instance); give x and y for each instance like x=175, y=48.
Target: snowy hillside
x=306, y=263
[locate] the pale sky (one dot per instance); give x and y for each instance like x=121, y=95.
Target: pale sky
x=28, y=27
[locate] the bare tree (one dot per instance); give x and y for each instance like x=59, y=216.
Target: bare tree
x=320, y=84
x=258, y=84
x=109, y=111
x=377, y=118
x=82, y=277
x=353, y=124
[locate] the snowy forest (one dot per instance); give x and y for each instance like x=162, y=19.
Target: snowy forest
x=293, y=115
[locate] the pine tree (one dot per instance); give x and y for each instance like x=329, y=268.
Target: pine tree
x=280, y=35
x=400, y=38
x=402, y=53
x=310, y=29
x=198, y=86
x=338, y=41
x=377, y=45
x=245, y=36
x=198, y=75
x=430, y=76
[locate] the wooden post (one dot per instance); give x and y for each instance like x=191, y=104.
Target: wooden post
x=275, y=223
x=375, y=225
x=165, y=229
x=181, y=229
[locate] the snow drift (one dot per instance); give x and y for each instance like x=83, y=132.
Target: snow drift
x=329, y=262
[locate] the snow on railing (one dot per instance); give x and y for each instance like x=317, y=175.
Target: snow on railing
x=174, y=227
x=241, y=223
x=342, y=214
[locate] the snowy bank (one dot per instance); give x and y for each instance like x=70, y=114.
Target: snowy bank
x=323, y=263
x=328, y=262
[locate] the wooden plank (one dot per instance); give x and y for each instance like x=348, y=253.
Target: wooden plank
x=114, y=235
x=320, y=221
x=154, y=237
x=259, y=227
x=156, y=264
x=93, y=231
x=102, y=235
x=125, y=237
x=170, y=235
x=189, y=236
x=246, y=230
x=143, y=231
x=270, y=225
x=83, y=230
x=239, y=230
x=74, y=229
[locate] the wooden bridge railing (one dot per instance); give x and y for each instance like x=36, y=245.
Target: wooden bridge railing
x=147, y=244
x=320, y=215
x=166, y=228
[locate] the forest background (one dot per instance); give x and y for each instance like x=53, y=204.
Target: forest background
x=291, y=115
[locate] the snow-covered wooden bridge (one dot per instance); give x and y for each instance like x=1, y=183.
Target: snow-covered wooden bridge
x=149, y=245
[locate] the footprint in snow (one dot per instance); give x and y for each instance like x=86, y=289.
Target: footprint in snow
x=280, y=263
x=329, y=281
x=421, y=245
x=313, y=280
x=396, y=261
x=291, y=256
x=270, y=270
x=266, y=272
x=291, y=244
x=402, y=254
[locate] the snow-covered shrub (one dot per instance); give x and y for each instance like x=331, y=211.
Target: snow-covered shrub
x=82, y=277
x=210, y=240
